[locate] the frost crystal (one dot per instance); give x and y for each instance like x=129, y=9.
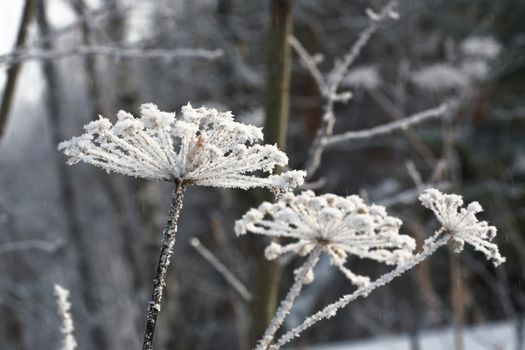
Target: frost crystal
x=64, y=308
x=203, y=147
x=339, y=225
x=461, y=223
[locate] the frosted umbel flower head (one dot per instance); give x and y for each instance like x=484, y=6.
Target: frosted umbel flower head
x=341, y=226
x=202, y=147
x=461, y=223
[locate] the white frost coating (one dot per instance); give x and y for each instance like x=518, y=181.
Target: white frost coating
x=461, y=223
x=303, y=275
x=440, y=77
x=430, y=246
x=64, y=309
x=338, y=225
x=202, y=147
x=483, y=47
x=364, y=77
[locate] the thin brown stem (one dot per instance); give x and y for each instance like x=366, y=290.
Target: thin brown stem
x=166, y=252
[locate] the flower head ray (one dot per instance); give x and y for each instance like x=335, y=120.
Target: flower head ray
x=461, y=223
x=202, y=147
x=341, y=226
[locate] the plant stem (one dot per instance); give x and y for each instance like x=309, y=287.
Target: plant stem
x=266, y=280
x=431, y=245
x=287, y=303
x=168, y=241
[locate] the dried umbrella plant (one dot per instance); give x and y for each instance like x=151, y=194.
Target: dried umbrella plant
x=340, y=226
x=203, y=147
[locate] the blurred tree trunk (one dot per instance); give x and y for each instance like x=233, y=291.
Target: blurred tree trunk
x=268, y=273
x=77, y=235
x=14, y=71
x=110, y=183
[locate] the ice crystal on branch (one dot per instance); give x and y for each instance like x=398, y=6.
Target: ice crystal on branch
x=202, y=147
x=461, y=223
x=64, y=308
x=341, y=226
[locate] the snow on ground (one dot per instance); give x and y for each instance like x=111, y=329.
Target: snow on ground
x=493, y=336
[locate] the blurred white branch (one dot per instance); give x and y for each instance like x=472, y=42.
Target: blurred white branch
x=222, y=269
x=47, y=246
x=328, y=85
x=168, y=54
x=404, y=123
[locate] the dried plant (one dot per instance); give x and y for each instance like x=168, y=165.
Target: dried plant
x=340, y=226
x=204, y=147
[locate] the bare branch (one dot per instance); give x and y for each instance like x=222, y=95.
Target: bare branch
x=168, y=54
x=404, y=123
x=46, y=246
x=222, y=269
x=309, y=63
x=332, y=82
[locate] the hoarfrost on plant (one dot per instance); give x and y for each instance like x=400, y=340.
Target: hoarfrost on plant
x=202, y=147
x=339, y=225
x=461, y=223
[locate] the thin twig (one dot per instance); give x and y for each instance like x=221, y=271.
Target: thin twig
x=309, y=63
x=166, y=252
x=287, y=302
x=46, y=246
x=331, y=310
x=112, y=51
x=404, y=123
x=221, y=269
x=329, y=85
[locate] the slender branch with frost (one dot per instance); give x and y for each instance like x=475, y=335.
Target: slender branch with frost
x=111, y=51
x=64, y=309
x=401, y=124
x=331, y=310
x=329, y=85
x=46, y=246
x=239, y=287
x=203, y=147
x=302, y=276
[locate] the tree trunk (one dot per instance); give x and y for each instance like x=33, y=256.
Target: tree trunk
x=14, y=71
x=277, y=104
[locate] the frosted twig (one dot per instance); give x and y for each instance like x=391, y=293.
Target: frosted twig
x=64, y=309
x=222, y=269
x=166, y=251
x=330, y=84
x=404, y=123
x=52, y=35
x=430, y=247
x=309, y=63
x=47, y=246
x=414, y=175
x=301, y=278
x=122, y=52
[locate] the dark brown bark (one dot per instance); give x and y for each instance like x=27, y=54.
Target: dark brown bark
x=166, y=252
